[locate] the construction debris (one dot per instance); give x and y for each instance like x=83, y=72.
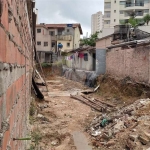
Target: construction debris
x=105, y=129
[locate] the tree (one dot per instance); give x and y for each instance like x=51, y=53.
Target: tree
x=90, y=41
x=146, y=19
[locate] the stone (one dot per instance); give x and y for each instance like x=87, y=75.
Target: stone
x=143, y=139
x=133, y=137
x=110, y=143
x=40, y=116
x=55, y=142
x=147, y=134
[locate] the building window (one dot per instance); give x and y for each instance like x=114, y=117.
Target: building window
x=68, y=44
x=38, y=30
x=121, y=12
x=114, y=11
x=114, y=1
x=38, y=43
x=114, y=20
x=146, y=11
x=51, y=33
x=68, y=30
x=45, y=43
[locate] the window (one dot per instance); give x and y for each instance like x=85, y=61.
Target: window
x=121, y=12
x=146, y=11
x=68, y=44
x=122, y=2
x=68, y=30
x=114, y=11
x=114, y=1
x=38, y=43
x=45, y=43
x=51, y=33
x=114, y=20
x=38, y=30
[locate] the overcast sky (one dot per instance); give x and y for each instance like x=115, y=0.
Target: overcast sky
x=69, y=11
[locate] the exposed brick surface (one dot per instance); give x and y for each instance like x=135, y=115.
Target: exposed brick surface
x=15, y=78
x=133, y=63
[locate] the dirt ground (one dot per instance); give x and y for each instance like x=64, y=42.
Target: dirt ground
x=62, y=116
x=55, y=119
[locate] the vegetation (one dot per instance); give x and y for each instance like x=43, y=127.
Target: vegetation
x=146, y=19
x=90, y=41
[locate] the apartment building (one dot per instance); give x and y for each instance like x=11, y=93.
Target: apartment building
x=96, y=22
x=48, y=36
x=118, y=12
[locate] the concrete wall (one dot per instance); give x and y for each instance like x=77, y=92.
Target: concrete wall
x=76, y=38
x=16, y=55
x=103, y=43
x=81, y=64
x=43, y=37
x=134, y=63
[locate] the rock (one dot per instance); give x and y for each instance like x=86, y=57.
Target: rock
x=147, y=134
x=40, y=116
x=55, y=142
x=143, y=139
x=105, y=136
x=134, y=130
x=110, y=143
x=119, y=126
x=133, y=137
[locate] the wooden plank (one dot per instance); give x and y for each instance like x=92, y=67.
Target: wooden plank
x=85, y=102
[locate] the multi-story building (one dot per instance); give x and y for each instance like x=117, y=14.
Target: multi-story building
x=48, y=36
x=118, y=12
x=96, y=22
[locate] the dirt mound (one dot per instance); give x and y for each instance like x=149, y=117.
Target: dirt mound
x=125, y=88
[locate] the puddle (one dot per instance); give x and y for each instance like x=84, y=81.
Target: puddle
x=80, y=141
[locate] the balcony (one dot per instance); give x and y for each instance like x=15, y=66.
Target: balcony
x=64, y=37
x=107, y=16
x=134, y=4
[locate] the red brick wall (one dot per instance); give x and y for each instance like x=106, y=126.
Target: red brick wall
x=134, y=63
x=15, y=73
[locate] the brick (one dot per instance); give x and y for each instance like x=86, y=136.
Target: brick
x=2, y=45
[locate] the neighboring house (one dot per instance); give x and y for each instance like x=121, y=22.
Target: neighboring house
x=125, y=57
x=82, y=59
x=50, y=35
x=96, y=22
x=118, y=11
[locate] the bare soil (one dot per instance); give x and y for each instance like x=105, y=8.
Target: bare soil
x=64, y=115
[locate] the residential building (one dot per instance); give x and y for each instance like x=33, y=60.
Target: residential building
x=118, y=12
x=96, y=22
x=50, y=35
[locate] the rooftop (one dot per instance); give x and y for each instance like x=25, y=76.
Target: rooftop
x=62, y=25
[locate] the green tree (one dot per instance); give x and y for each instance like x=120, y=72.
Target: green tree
x=146, y=18
x=90, y=41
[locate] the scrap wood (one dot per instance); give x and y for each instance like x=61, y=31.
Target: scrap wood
x=111, y=105
x=85, y=101
x=90, y=91
x=93, y=102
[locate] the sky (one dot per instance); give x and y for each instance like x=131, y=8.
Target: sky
x=69, y=11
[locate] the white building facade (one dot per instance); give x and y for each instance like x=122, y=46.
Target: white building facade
x=96, y=22
x=118, y=12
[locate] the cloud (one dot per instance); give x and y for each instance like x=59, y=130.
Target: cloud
x=68, y=11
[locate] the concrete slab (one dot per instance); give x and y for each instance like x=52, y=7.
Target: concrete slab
x=80, y=141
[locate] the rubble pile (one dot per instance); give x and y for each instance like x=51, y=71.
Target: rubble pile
x=126, y=124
